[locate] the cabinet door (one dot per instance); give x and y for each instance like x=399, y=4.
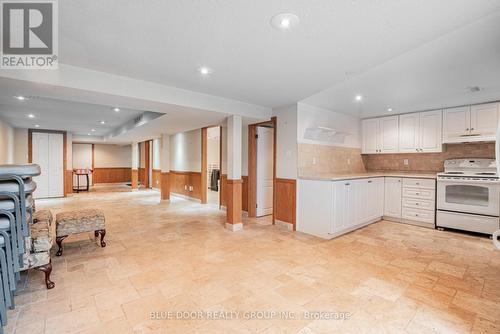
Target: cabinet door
x=370, y=135
x=484, y=119
x=456, y=124
x=431, y=135
x=409, y=133
x=388, y=134
x=392, y=197
x=344, y=201
x=369, y=199
x=314, y=207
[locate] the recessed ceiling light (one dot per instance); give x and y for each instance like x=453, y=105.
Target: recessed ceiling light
x=116, y=109
x=389, y=109
x=102, y=122
x=31, y=116
x=205, y=70
x=20, y=97
x=93, y=130
x=37, y=126
x=284, y=21
x=88, y=134
x=359, y=97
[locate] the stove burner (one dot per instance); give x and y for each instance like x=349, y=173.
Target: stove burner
x=454, y=173
x=485, y=173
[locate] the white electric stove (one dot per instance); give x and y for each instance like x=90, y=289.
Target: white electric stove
x=468, y=195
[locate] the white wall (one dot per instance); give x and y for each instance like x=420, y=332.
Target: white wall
x=286, y=142
x=20, y=146
x=157, y=153
x=185, y=151
x=310, y=117
x=244, y=150
x=6, y=143
x=107, y=155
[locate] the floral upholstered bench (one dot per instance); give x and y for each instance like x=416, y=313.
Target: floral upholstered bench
x=38, y=245
x=79, y=221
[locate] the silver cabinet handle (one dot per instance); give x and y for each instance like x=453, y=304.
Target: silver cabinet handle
x=467, y=129
x=347, y=184
x=370, y=181
x=416, y=204
x=472, y=129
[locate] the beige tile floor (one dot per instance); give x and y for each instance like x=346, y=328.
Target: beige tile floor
x=174, y=257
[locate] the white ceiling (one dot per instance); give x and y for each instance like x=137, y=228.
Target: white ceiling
x=58, y=108
x=166, y=41
x=408, y=55
x=435, y=75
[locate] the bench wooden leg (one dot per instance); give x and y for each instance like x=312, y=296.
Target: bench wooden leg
x=59, y=241
x=47, y=269
x=102, y=233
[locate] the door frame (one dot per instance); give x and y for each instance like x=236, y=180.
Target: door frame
x=65, y=150
x=252, y=166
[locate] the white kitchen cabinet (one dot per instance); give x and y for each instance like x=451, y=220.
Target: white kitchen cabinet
x=484, y=119
x=344, y=205
x=370, y=135
x=470, y=123
x=314, y=207
x=431, y=131
x=419, y=202
x=388, y=134
x=370, y=200
x=392, y=197
x=420, y=132
x=380, y=135
x=409, y=133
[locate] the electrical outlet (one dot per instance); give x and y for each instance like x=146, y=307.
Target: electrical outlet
x=314, y=161
x=348, y=161
x=406, y=162
x=190, y=188
x=185, y=187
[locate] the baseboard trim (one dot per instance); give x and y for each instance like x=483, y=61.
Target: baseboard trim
x=234, y=227
x=284, y=224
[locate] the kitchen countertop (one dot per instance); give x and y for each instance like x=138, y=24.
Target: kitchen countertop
x=340, y=177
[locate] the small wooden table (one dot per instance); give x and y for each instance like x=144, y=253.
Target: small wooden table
x=78, y=173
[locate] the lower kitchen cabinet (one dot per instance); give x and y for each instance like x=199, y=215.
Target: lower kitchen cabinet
x=392, y=198
x=330, y=208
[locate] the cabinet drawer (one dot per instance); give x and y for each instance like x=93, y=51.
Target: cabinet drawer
x=427, y=194
x=421, y=204
x=425, y=216
x=419, y=183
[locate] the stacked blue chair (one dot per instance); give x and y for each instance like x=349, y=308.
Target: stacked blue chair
x=16, y=214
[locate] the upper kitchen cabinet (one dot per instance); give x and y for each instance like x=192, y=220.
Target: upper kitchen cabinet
x=380, y=135
x=470, y=123
x=420, y=132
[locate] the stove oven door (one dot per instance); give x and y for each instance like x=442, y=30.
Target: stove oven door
x=478, y=196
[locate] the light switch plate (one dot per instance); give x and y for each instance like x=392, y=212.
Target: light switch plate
x=406, y=162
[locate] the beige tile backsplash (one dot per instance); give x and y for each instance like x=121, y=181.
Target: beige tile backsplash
x=339, y=160
x=328, y=160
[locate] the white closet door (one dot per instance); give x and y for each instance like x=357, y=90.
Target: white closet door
x=56, y=165
x=40, y=156
x=264, y=171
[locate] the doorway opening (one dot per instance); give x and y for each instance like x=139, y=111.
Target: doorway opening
x=213, y=164
x=145, y=164
x=261, y=168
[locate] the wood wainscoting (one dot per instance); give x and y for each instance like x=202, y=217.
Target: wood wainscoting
x=285, y=200
x=165, y=185
x=156, y=181
x=135, y=178
x=68, y=182
x=112, y=175
x=179, y=180
x=244, y=191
